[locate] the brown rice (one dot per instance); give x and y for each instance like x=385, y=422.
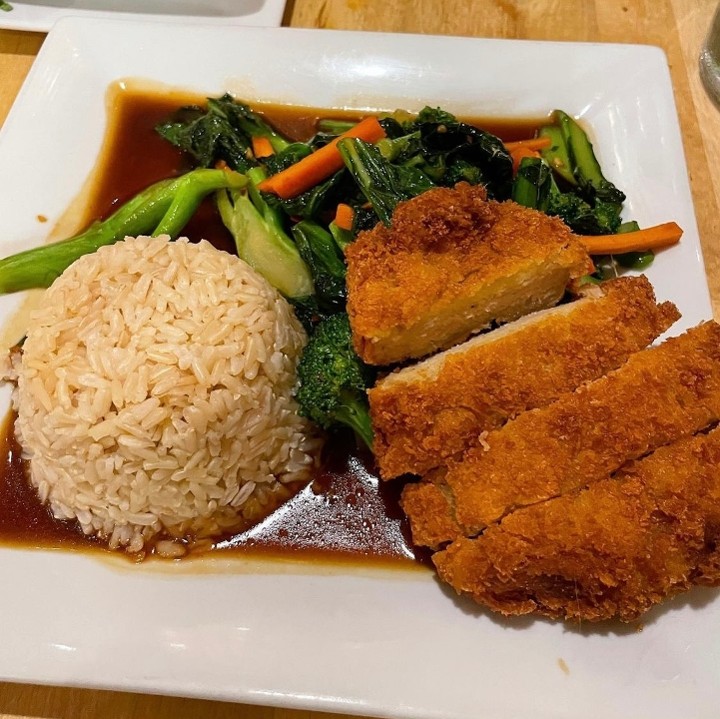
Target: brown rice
x=155, y=394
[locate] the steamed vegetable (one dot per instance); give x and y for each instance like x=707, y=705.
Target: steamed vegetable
x=344, y=216
x=533, y=184
x=261, y=239
x=333, y=380
x=326, y=262
x=585, y=167
x=650, y=238
x=225, y=131
x=448, y=151
x=533, y=143
x=321, y=164
x=262, y=147
x=162, y=208
x=555, y=153
x=383, y=183
x=525, y=148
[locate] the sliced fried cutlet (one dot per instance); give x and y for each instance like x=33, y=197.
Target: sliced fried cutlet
x=451, y=264
x=612, y=550
x=425, y=414
x=659, y=395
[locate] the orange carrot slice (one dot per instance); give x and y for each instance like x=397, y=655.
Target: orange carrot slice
x=261, y=147
x=650, y=238
x=534, y=143
x=518, y=154
x=319, y=165
x=344, y=216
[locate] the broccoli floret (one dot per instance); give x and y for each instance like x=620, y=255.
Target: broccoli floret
x=333, y=379
x=607, y=217
x=580, y=216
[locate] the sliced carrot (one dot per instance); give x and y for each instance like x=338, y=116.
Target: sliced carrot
x=651, y=238
x=344, y=216
x=518, y=154
x=319, y=165
x=534, y=143
x=261, y=147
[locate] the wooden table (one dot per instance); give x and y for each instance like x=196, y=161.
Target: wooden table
x=678, y=26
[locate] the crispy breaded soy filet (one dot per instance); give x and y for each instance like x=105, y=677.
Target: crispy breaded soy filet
x=612, y=550
x=658, y=396
x=425, y=414
x=451, y=264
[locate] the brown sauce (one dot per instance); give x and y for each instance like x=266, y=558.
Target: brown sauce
x=346, y=513
x=24, y=520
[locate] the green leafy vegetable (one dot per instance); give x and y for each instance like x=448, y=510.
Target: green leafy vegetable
x=319, y=250
x=533, y=184
x=221, y=132
x=557, y=156
x=341, y=236
x=447, y=150
x=162, y=208
x=586, y=168
x=261, y=239
x=383, y=183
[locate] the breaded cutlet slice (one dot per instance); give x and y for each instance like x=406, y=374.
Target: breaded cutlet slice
x=426, y=413
x=451, y=264
x=659, y=395
x=612, y=550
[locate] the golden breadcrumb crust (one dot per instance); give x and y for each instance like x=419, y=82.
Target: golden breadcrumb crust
x=660, y=395
x=451, y=263
x=427, y=413
x=612, y=550
x=431, y=517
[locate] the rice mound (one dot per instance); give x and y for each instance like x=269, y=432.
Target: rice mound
x=155, y=394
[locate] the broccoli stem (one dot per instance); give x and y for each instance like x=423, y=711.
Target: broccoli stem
x=162, y=208
x=355, y=415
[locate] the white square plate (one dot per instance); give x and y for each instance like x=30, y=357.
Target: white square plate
x=385, y=643
x=41, y=15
